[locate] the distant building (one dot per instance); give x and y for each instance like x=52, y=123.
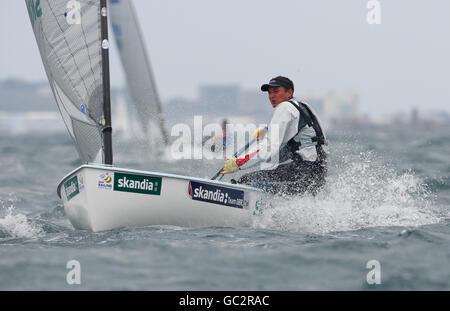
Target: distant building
x=21, y=96
x=335, y=108
x=28, y=107
x=215, y=101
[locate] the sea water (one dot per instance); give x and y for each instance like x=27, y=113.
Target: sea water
x=382, y=222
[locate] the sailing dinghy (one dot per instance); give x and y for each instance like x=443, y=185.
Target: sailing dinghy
x=72, y=37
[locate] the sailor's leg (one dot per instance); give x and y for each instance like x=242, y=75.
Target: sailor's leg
x=297, y=178
x=289, y=179
x=310, y=177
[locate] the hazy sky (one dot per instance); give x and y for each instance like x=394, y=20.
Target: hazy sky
x=321, y=44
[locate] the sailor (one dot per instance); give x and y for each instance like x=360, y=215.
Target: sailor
x=219, y=142
x=225, y=135
x=291, y=156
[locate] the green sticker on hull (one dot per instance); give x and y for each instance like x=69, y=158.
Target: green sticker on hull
x=71, y=187
x=137, y=183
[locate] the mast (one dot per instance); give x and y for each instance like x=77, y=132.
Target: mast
x=107, y=129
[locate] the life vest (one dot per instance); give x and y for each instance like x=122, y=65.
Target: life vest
x=307, y=121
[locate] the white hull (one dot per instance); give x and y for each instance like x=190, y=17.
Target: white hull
x=101, y=197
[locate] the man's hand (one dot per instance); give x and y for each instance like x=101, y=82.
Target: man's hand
x=230, y=166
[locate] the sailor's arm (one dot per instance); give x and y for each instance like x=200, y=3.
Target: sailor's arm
x=270, y=146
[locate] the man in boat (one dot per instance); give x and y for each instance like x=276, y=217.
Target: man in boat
x=226, y=136
x=291, y=157
x=219, y=142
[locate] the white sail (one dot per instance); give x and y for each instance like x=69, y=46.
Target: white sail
x=68, y=34
x=137, y=68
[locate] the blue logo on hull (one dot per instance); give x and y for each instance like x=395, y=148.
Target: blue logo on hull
x=217, y=195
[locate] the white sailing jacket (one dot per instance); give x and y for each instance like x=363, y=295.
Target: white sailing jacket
x=273, y=149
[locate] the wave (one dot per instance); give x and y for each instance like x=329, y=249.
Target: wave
x=17, y=225
x=362, y=190
x=439, y=183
